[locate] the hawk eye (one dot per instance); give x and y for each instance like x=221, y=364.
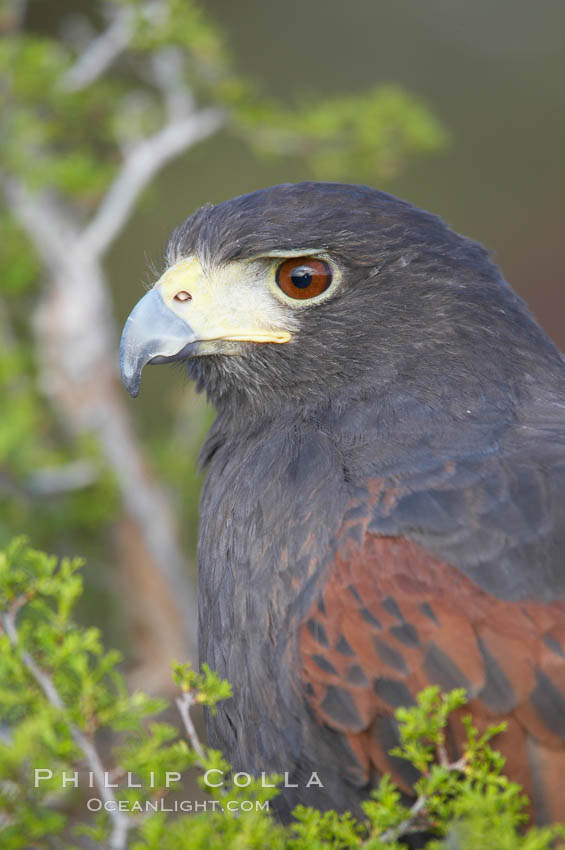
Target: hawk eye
x=303, y=277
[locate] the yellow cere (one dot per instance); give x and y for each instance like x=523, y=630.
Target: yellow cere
x=226, y=304
x=186, y=274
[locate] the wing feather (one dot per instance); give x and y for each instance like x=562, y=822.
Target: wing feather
x=395, y=619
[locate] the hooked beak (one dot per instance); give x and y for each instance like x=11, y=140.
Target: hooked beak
x=186, y=314
x=152, y=334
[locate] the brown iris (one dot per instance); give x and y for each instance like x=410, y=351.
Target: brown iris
x=303, y=277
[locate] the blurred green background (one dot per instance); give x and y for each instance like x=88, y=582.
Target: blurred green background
x=494, y=76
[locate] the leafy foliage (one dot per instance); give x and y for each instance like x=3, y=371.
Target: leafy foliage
x=63, y=698
x=361, y=136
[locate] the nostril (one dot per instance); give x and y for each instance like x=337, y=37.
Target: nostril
x=183, y=295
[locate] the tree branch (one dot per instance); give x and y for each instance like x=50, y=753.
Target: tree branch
x=184, y=704
x=413, y=823
x=78, y=369
x=121, y=823
x=140, y=166
x=78, y=373
x=166, y=72
x=43, y=220
x=52, y=480
x=100, y=53
x=409, y=825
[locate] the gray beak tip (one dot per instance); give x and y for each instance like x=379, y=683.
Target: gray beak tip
x=130, y=370
x=132, y=386
x=152, y=333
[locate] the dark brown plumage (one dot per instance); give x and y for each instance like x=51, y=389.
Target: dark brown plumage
x=384, y=503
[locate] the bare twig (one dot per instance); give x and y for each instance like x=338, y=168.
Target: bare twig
x=100, y=53
x=121, y=823
x=42, y=219
x=51, y=480
x=409, y=825
x=415, y=822
x=184, y=704
x=442, y=755
x=140, y=166
x=166, y=72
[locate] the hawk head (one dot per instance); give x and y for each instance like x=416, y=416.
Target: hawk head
x=303, y=292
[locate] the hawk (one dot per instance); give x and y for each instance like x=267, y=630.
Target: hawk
x=384, y=506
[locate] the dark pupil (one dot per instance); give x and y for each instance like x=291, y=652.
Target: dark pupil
x=301, y=277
